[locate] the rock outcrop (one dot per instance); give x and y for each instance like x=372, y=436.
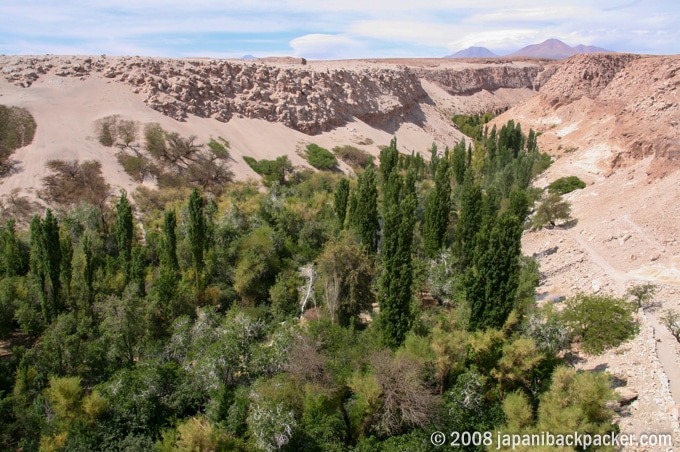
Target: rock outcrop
x=306, y=97
x=489, y=78
x=628, y=105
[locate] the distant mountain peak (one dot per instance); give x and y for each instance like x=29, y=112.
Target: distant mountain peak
x=473, y=52
x=556, y=49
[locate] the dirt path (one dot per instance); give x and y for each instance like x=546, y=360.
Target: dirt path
x=666, y=350
x=666, y=345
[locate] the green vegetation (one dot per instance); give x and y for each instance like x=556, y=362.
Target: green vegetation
x=112, y=130
x=72, y=182
x=671, y=320
x=272, y=170
x=599, y=321
x=320, y=158
x=354, y=157
x=551, y=210
x=472, y=125
x=287, y=317
x=565, y=185
x=642, y=294
x=17, y=128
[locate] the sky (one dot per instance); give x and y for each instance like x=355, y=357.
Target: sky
x=330, y=29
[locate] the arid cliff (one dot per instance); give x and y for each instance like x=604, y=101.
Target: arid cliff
x=626, y=107
x=309, y=98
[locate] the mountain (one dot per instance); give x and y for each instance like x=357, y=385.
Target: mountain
x=556, y=49
x=473, y=52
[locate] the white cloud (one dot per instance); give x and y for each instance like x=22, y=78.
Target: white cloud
x=337, y=29
x=324, y=46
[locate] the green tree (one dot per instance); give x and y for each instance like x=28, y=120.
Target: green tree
x=469, y=221
x=124, y=233
x=341, y=197
x=11, y=260
x=437, y=211
x=346, y=276
x=396, y=313
x=642, y=294
x=389, y=159
x=46, y=262
x=320, y=158
x=365, y=214
x=565, y=185
x=552, y=209
x=492, y=282
x=197, y=233
x=577, y=402
x=599, y=321
x=169, y=243
x=89, y=268
x=459, y=162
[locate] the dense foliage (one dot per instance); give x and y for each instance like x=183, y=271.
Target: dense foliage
x=289, y=318
x=17, y=128
x=565, y=185
x=320, y=158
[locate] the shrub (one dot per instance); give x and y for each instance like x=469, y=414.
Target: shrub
x=599, y=321
x=354, y=157
x=72, y=182
x=642, y=294
x=552, y=209
x=111, y=130
x=17, y=129
x=671, y=320
x=320, y=158
x=138, y=168
x=271, y=170
x=565, y=185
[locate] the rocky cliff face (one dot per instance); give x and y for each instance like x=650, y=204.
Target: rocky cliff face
x=639, y=95
x=304, y=97
x=465, y=82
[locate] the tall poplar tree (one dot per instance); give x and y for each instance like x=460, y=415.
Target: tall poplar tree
x=365, y=214
x=340, y=200
x=197, y=232
x=169, y=254
x=491, y=283
x=469, y=220
x=396, y=313
x=124, y=233
x=45, y=262
x=437, y=211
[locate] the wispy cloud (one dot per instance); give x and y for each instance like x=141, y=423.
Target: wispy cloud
x=329, y=28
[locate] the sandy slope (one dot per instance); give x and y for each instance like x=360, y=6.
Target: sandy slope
x=66, y=110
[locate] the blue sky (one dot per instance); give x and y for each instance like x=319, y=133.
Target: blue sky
x=331, y=29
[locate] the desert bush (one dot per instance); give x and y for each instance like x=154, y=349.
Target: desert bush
x=106, y=130
x=138, y=168
x=111, y=130
x=181, y=161
x=354, y=157
x=320, y=158
x=671, y=320
x=642, y=294
x=565, y=185
x=551, y=210
x=271, y=170
x=72, y=182
x=19, y=207
x=17, y=129
x=599, y=321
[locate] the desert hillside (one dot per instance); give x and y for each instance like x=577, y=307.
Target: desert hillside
x=264, y=108
x=612, y=120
